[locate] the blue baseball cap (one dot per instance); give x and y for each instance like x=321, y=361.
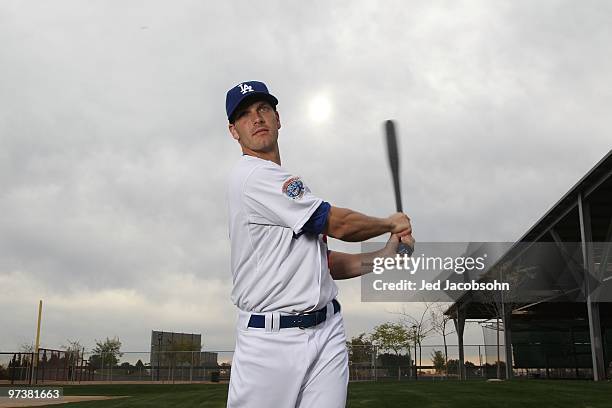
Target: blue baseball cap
x=247, y=90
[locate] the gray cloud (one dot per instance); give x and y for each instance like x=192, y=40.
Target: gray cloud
x=114, y=145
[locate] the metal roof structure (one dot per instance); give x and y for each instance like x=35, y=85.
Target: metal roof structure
x=582, y=216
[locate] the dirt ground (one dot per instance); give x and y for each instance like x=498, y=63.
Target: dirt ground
x=6, y=403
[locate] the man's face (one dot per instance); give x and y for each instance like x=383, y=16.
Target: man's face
x=256, y=127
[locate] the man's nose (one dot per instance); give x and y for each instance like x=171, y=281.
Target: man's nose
x=257, y=117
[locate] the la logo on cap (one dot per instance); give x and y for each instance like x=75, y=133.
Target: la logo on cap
x=245, y=88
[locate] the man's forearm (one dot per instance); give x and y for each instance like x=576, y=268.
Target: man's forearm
x=347, y=266
x=348, y=225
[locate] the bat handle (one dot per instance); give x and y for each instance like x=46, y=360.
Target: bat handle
x=404, y=249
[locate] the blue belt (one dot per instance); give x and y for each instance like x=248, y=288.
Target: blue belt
x=302, y=320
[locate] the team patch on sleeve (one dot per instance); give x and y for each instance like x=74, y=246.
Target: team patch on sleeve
x=293, y=188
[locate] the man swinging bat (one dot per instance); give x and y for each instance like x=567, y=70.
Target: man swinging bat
x=290, y=341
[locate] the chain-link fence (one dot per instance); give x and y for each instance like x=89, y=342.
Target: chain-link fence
x=15, y=368
x=428, y=362
x=45, y=366
x=366, y=363
x=50, y=366
x=561, y=353
x=164, y=366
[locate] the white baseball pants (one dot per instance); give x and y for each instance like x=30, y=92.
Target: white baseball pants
x=291, y=367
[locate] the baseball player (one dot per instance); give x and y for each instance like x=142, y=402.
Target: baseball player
x=290, y=341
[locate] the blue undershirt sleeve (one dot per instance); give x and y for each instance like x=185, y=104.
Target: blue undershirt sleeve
x=318, y=219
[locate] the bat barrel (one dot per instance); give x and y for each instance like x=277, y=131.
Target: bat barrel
x=393, y=153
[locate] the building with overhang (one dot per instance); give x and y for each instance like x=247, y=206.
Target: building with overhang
x=559, y=322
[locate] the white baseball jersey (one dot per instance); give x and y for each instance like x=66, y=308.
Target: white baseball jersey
x=275, y=267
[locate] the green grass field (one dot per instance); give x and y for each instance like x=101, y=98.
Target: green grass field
x=469, y=394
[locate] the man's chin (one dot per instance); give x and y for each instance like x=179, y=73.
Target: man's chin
x=262, y=149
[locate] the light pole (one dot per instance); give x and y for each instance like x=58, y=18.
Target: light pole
x=374, y=353
x=416, y=368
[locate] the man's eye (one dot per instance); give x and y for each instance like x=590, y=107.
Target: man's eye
x=264, y=108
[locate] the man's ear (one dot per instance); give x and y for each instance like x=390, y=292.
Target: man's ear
x=233, y=131
x=278, y=120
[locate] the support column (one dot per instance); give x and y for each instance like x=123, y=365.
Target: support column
x=459, y=321
x=507, y=319
x=599, y=372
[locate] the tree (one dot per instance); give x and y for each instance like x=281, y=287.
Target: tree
x=393, y=337
x=501, y=303
x=362, y=356
x=26, y=351
x=52, y=360
x=140, y=367
x=360, y=349
x=389, y=360
x=74, y=352
x=418, y=327
x=127, y=367
x=438, y=360
x=26, y=347
x=73, y=349
x=106, y=353
x=492, y=370
x=452, y=366
x=439, y=322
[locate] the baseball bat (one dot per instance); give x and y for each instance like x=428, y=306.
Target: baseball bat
x=394, y=164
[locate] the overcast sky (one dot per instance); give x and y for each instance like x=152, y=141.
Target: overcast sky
x=114, y=146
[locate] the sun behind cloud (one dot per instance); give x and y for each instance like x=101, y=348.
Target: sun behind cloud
x=320, y=108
